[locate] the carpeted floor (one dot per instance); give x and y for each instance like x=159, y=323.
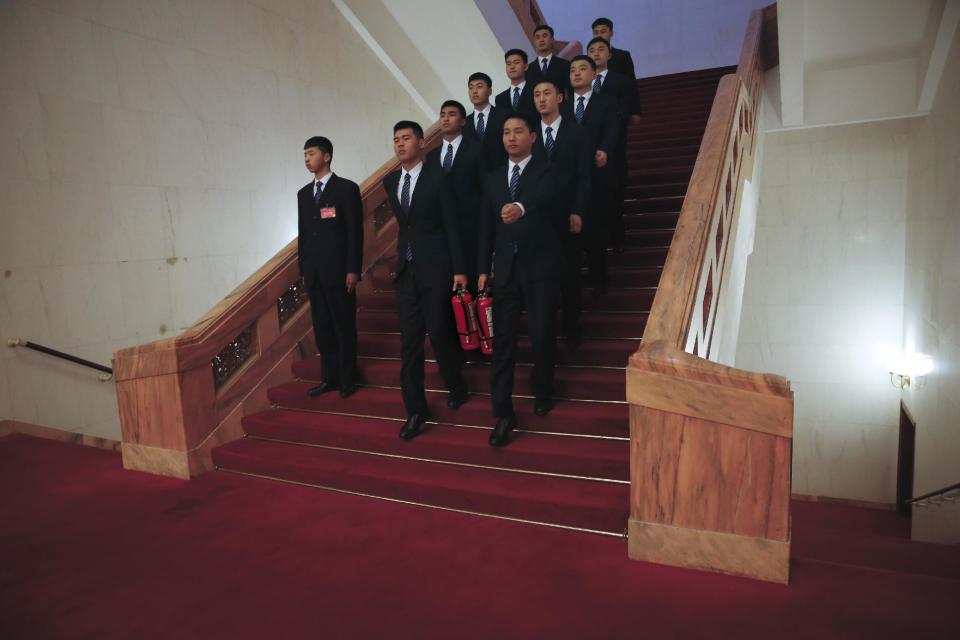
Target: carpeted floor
x=92, y=551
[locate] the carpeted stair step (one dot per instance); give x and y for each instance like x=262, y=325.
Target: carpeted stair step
x=662, y=153
x=642, y=177
x=622, y=324
x=649, y=238
x=650, y=220
x=592, y=457
x=620, y=300
x=653, y=205
x=597, y=506
x=580, y=383
x=641, y=191
x=601, y=352
x=569, y=417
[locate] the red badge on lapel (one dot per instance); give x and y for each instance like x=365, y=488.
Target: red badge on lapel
x=328, y=212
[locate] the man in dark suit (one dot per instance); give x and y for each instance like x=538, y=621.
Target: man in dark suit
x=485, y=124
x=598, y=116
x=614, y=84
x=461, y=159
x=620, y=59
x=521, y=226
x=518, y=97
x=548, y=66
x=330, y=254
x=429, y=261
x=563, y=145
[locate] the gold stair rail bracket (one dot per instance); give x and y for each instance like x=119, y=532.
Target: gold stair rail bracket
x=710, y=445
x=180, y=398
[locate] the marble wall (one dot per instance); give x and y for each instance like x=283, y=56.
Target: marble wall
x=932, y=299
x=150, y=151
x=824, y=298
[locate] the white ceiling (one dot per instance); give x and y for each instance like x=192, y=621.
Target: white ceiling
x=845, y=61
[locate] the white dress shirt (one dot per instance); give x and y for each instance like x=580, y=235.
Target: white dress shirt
x=554, y=128
x=456, y=147
x=414, y=174
x=523, y=165
x=321, y=183
x=540, y=60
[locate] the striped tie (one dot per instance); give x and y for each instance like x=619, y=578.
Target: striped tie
x=480, y=127
x=597, y=84
x=317, y=193
x=405, y=205
x=448, y=158
x=548, y=142
x=516, y=98
x=579, y=113
x=514, y=181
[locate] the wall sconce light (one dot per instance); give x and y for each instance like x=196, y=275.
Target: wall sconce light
x=910, y=368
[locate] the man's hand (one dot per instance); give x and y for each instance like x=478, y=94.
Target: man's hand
x=459, y=280
x=601, y=158
x=510, y=213
x=576, y=223
x=352, y=280
x=482, y=282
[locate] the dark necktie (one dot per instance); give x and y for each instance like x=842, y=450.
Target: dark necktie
x=516, y=98
x=543, y=66
x=317, y=193
x=405, y=205
x=514, y=181
x=448, y=158
x=579, y=113
x=597, y=84
x=548, y=142
x=480, y=126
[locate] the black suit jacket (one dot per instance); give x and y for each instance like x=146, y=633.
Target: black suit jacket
x=504, y=101
x=617, y=86
x=494, y=154
x=466, y=181
x=558, y=70
x=431, y=229
x=622, y=62
x=536, y=235
x=571, y=163
x=329, y=248
x=601, y=121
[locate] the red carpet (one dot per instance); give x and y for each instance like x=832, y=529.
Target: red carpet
x=578, y=480
x=92, y=551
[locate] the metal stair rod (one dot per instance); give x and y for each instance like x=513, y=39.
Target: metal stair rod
x=107, y=372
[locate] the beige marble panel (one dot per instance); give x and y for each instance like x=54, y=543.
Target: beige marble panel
x=164, y=462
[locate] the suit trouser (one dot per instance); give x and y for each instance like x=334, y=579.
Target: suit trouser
x=426, y=310
x=618, y=232
x=334, y=313
x=570, y=286
x=510, y=298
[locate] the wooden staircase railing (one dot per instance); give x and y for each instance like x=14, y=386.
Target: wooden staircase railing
x=179, y=398
x=711, y=445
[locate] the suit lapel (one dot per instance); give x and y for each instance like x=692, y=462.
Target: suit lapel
x=391, y=184
x=422, y=183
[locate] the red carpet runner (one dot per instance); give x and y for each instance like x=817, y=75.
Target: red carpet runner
x=567, y=469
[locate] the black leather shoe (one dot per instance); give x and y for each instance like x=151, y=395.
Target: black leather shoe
x=600, y=290
x=346, y=392
x=574, y=338
x=323, y=387
x=411, y=428
x=501, y=431
x=456, y=400
x=542, y=406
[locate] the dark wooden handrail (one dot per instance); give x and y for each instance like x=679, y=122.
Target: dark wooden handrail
x=18, y=342
x=934, y=494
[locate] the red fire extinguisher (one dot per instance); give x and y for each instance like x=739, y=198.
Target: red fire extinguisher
x=465, y=315
x=484, y=306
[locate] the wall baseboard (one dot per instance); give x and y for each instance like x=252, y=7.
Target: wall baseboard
x=847, y=502
x=10, y=427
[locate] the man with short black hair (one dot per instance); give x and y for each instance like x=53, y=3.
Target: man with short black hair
x=564, y=146
x=486, y=121
x=429, y=266
x=518, y=97
x=547, y=66
x=520, y=230
x=609, y=82
x=599, y=117
x=461, y=159
x=329, y=256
